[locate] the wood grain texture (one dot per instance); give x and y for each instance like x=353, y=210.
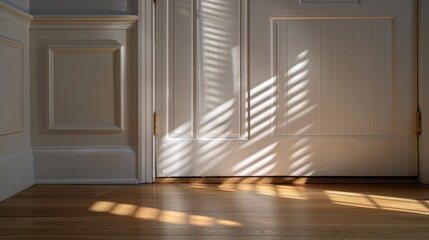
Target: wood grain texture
x=218, y=211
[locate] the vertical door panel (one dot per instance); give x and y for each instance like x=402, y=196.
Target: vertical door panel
x=179, y=60
x=218, y=81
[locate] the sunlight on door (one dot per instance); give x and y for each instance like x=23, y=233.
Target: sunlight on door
x=306, y=99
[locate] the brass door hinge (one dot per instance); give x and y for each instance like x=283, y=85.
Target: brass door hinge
x=155, y=124
x=419, y=123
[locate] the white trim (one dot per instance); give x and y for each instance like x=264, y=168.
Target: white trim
x=276, y=18
x=80, y=22
x=14, y=15
x=423, y=51
x=18, y=127
x=118, y=52
x=145, y=95
x=86, y=181
x=85, y=165
x=16, y=154
x=87, y=150
x=15, y=190
x=307, y=2
x=21, y=177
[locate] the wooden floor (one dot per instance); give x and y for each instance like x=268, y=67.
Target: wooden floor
x=218, y=212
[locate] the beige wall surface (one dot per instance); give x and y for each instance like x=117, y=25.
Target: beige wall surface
x=84, y=88
x=16, y=159
x=83, y=96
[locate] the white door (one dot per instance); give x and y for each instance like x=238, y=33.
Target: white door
x=286, y=88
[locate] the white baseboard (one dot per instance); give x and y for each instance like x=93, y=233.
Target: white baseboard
x=85, y=165
x=86, y=181
x=16, y=173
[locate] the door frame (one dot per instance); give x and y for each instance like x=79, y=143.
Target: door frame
x=145, y=155
x=145, y=158
x=423, y=88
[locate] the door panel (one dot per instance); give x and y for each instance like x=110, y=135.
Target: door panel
x=218, y=80
x=179, y=69
x=346, y=89
x=286, y=88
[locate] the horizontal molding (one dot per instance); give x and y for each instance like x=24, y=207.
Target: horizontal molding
x=17, y=127
x=287, y=180
x=86, y=181
x=274, y=18
x=16, y=155
x=16, y=172
x=74, y=22
x=65, y=150
x=14, y=15
x=119, y=78
x=305, y=2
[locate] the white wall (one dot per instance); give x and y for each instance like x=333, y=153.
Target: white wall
x=16, y=159
x=23, y=5
x=424, y=90
x=83, y=97
x=84, y=7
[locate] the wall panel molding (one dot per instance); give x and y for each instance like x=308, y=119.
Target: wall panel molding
x=84, y=22
x=11, y=100
x=304, y=2
x=14, y=15
x=118, y=106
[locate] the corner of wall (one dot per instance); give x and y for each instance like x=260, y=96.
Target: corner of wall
x=16, y=157
x=16, y=173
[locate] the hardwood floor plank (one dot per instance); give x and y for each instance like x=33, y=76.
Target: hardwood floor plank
x=218, y=211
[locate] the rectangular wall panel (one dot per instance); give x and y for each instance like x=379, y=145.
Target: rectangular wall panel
x=332, y=76
x=86, y=88
x=11, y=87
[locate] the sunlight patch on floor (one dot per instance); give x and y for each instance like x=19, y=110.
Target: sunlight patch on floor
x=155, y=214
x=378, y=202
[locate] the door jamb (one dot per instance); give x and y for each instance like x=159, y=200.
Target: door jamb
x=145, y=159
x=423, y=88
